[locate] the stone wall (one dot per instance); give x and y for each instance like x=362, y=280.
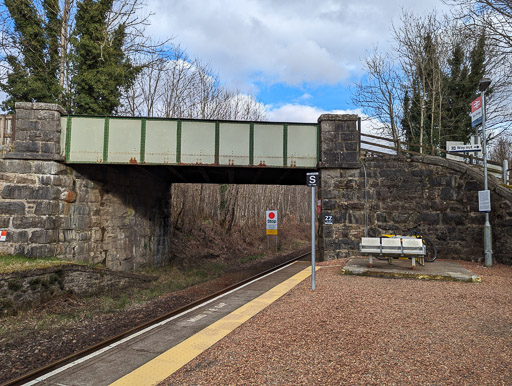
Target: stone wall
x=24, y=288
x=117, y=216
x=441, y=194
x=112, y=215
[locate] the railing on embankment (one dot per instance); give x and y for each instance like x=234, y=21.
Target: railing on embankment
x=7, y=127
x=373, y=145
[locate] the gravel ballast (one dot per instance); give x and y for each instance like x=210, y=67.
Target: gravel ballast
x=364, y=330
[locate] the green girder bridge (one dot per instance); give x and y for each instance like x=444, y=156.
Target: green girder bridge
x=196, y=150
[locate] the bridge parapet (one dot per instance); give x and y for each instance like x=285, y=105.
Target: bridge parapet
x=340, y=141
x=38, y=132
x=159, y=141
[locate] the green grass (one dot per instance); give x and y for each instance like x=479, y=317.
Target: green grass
x=252, y=258
x=172, y=278
x=11, y=263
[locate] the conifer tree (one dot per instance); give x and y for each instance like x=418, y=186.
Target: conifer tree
x=33, y=75
x=101, y=70
x=37, y=55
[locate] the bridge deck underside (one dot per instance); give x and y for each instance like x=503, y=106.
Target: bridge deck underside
x=224, y=175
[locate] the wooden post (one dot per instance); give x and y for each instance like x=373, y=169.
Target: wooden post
x=3, y=128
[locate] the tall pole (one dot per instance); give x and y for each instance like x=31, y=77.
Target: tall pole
x=487, y=226
x=312, y=237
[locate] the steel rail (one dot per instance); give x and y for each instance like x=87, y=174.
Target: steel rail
x=98, y=346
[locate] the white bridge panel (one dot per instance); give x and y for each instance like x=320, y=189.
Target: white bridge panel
x=86, y=142
x=161, y=142
x=124, y=140
x=198, y=143
x=234, y=144
x=268, y=145
x=302, y=146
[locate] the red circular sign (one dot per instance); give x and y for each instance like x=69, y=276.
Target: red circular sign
x=271, y=215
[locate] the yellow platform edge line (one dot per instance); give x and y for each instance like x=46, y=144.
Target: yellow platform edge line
x=167, y=363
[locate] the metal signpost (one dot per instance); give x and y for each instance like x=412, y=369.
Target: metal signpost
x=484, y=83
x=312, y=181
x=478, y=117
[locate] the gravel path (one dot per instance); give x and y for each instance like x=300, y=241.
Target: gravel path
x=362, y=330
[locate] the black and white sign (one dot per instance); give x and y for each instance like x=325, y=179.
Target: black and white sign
x=484, y=200
x=312, y=179
x=328, y=219
x=464, y=148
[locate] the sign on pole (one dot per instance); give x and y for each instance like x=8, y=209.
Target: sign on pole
x=484, y=200
x=312, y=181
x=464, y=148
x=271, y=220
x=476, y=112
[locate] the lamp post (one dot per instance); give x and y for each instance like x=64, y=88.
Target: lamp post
x=484, y=84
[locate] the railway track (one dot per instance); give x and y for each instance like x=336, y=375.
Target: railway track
x=81, y=354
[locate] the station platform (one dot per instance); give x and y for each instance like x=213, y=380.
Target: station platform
x=437, y=270
x=149, y=356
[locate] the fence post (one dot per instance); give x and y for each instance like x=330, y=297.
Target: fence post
x=3, y=127
x=505, y=171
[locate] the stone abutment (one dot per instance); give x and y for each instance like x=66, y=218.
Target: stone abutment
x=117, y=216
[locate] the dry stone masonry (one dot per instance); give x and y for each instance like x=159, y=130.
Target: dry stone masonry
x=402, y=192
x=117, y=216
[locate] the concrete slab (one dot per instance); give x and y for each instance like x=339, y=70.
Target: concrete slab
x=438, y=270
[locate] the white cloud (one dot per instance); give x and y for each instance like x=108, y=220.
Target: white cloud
x=300, y=113
x=310, y=114
x=292, y=42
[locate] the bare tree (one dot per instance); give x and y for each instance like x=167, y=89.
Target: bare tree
x=501, y=150
x=380, y=94
x=495, y=18
x=180, y=87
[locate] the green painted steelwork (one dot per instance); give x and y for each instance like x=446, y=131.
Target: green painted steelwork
x=251, y=143
x=318, y=147
x=143, y=141
x=105, y=140
x=217, y=142
x=178, y=143
x=285, y=145
x=158, y=141
x=68, y=137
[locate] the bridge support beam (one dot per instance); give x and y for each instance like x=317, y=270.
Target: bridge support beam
x=339, y=161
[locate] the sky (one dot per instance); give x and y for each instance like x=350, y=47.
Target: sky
x=297, y=57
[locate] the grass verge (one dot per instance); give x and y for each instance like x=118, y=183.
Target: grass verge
x=13, y=263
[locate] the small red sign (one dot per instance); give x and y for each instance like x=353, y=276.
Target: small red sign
x=476, y=104
x=271, y=215
x=3, y=235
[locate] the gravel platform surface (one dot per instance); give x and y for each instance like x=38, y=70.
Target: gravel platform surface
x=364, y=330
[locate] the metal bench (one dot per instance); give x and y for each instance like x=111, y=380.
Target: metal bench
x=394, y=247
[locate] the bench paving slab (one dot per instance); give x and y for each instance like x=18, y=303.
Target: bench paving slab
x=437, y=270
